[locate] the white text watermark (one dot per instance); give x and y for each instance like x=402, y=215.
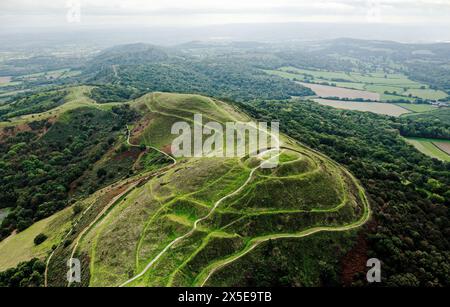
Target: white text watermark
x=232, y=139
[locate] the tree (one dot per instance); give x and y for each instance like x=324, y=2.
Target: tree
x=40, y=238
x=101, y=172
x=77, y=208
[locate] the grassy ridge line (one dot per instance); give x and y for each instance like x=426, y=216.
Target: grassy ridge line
x=77, y=98
x=105, y=210
x=342, y=203
x=102, y=191
x=212, y=104
x=119, y=197
x=152, y=100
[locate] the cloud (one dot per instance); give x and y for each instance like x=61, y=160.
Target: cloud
x=195, y=12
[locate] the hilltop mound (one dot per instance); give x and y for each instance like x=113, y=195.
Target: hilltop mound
x=130, y=55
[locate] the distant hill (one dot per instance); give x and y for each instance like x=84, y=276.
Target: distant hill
x=224, y=44
x=129, y=71
x=131, y=54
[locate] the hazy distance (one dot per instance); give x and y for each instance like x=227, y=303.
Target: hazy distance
x=176, y=21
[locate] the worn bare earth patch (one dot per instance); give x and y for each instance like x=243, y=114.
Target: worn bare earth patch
x=444, y=146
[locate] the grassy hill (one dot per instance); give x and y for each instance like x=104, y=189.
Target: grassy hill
x=181, y=223
x=217, y=209
x=20, y=246
x=48, y=105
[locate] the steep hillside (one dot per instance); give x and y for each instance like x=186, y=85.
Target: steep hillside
x=50, y=159
x=182, y=224
x=142, y=218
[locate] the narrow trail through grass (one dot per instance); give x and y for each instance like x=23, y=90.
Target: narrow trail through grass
x=134, y=183
x=119, y=197
x=213, y=206
x=194, y=228
x=206, y=274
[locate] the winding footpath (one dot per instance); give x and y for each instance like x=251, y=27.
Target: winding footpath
x=174, y=161
x=195, y=226
x=107, y=207
x=206, y=274
x=276, y=147
x=255, y=242
x=201, y=280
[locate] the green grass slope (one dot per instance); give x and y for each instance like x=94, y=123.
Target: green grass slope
x=429, y=148
x=20, y=247
x=183, y=225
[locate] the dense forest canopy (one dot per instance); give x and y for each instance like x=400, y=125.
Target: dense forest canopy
x=37, y=172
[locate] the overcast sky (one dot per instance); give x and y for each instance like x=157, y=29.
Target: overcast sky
x=51, y=13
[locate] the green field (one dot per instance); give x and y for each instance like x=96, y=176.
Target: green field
x=427, y=94
x=374, y=107
x=20, y=247
x=428, y=147
x=417, y=108
x=53, y=74
x=12, y=83
x=440, y=114
x=7, y=94
x=391, y=87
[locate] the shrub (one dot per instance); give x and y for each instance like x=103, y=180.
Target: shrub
x=77, y=208
x=40, y=238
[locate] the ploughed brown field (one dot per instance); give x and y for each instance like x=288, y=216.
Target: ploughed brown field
x=444, y=146
x=374, y=107
x=325, y=91
x=5, y=80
